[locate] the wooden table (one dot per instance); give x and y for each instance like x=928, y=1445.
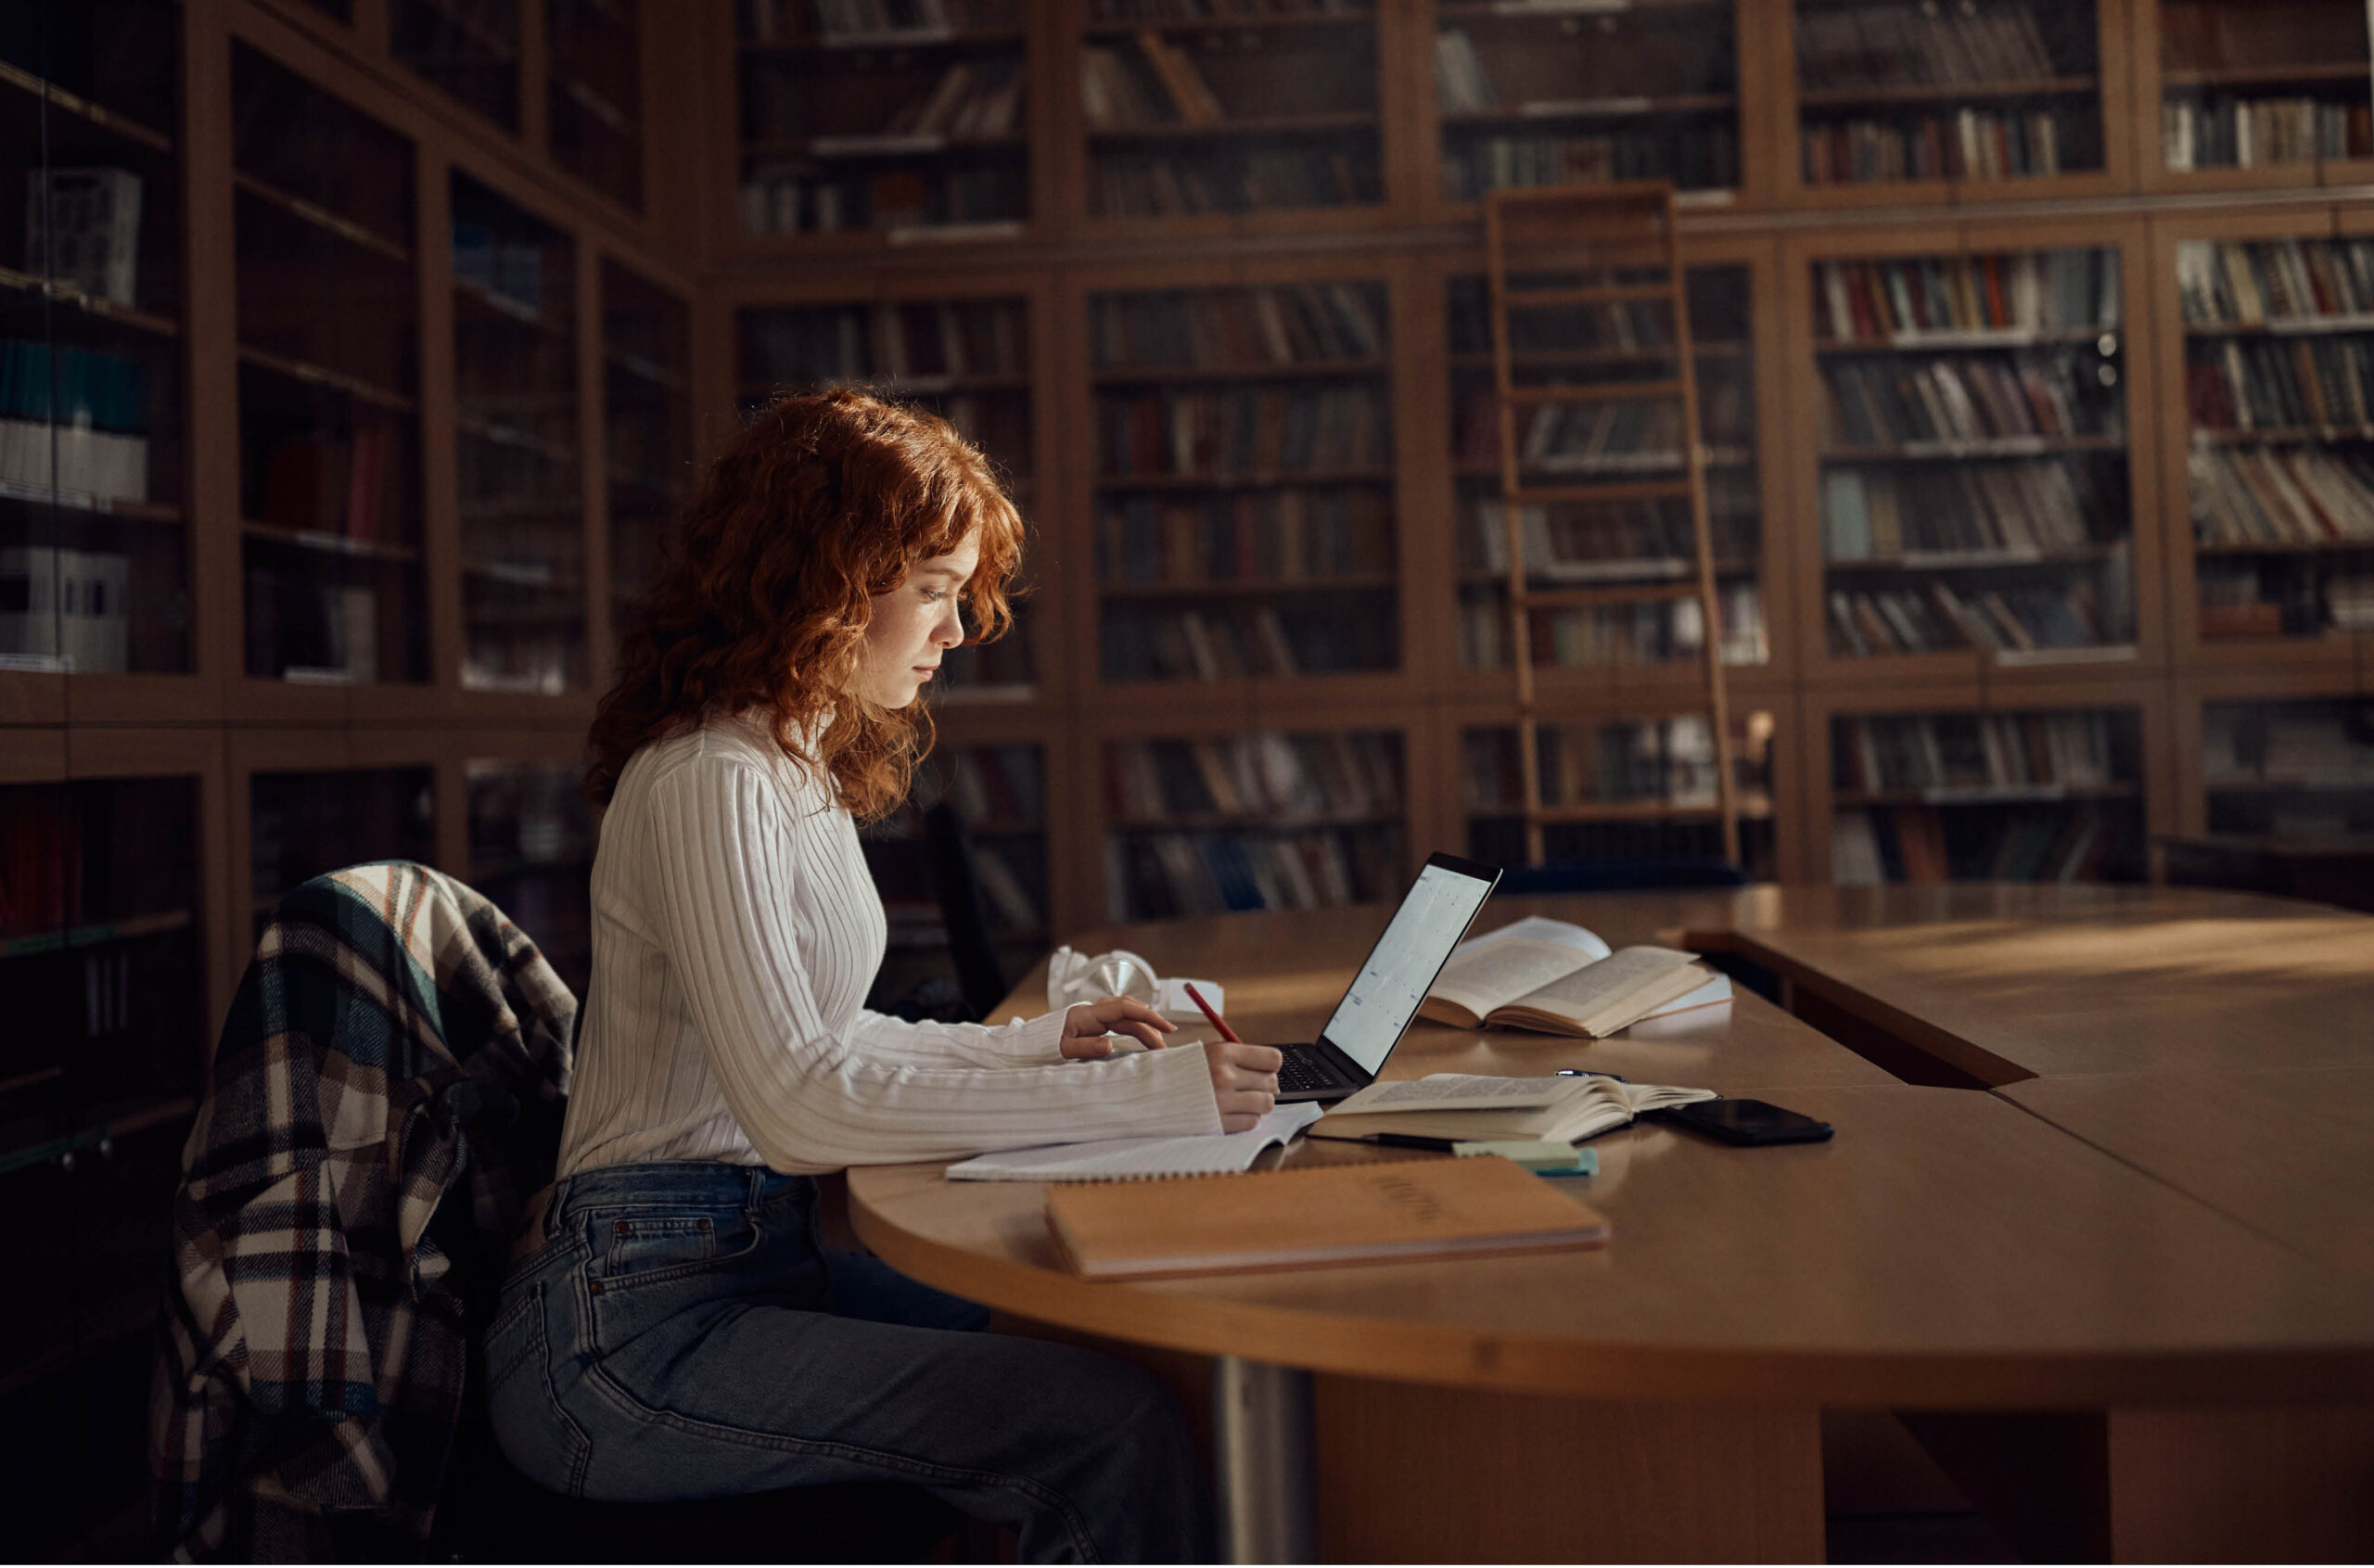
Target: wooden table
x=2210, y=1379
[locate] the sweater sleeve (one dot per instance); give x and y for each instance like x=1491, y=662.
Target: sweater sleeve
x=806, y=1096
x=1023, y=1042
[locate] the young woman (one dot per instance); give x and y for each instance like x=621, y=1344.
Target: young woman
x=677, y=1329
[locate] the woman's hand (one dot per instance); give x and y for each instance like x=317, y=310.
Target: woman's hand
x=1087, y=1023
x=1244, y=1081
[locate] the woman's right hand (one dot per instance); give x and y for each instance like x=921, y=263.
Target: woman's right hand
x=1244, y=1081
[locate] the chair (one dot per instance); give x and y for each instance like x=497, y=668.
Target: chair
x=330, y=962
x=1617, y=876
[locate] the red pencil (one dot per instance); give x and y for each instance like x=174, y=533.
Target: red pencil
x=1217, y=1022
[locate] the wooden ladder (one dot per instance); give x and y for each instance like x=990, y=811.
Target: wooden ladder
x=1586, y=247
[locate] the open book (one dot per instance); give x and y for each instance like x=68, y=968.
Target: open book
x=1551, y=975
x=1466, y=1106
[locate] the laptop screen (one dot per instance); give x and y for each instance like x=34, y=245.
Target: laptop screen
x=1385, y=997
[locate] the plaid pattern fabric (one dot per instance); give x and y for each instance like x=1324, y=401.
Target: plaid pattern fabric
x=394, y=1033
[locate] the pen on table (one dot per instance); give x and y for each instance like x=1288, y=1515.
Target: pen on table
x=1412, y=1140
x=1588, y=1073
x=1217, y=1022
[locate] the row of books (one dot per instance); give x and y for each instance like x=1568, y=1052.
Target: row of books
x=532, y=812
x=1003, y=786
x=1217, y=644
x=501, y=656
x=1968, y=144
x=1620, y=326
x=2279, y=383
x=497, y=475
x=1462, y=86
x=795, y=199
x=1283, y=536
x=1977, y=508
x=1149, y=81
x=1281, y=324
x=41, y=860
x=2281, y=495
x=853, y=344
x=2227, y=132
x=1224, y=10
x=1626, y=542
x=64, y=609
x=302, y=630
x=2248, y=745
x=1696, y=155
x=789, y=22
x=2080, y=843
x=81, y=388
x=1174, y=876
x=1898, y=45
x=303, y=824
x=1935, y=618
x=2029, y=393
x=1971, y=753
x=86, y=234
x=2275, y=282
x=1233, y=180
x=973, y=100
x=323, y=483
x=1882, y=301
x=1272, y=776
x=508, y=267
x=38, y=457
x=1248, y=432
x=1628, y=635
x=2291, y=596
x=1610, y=438
x=1669, y=760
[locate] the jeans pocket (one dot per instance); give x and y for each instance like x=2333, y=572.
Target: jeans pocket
x=539, y=1437
x=646, y=1246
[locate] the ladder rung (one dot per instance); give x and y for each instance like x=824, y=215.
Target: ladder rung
x=1601, y=294
x=1587, y=598
x=1614, y=490
x=1604, y=392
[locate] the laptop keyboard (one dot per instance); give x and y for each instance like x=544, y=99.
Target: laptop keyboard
x=1300, y=1072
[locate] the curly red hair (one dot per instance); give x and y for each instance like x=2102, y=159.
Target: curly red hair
x=766, y=585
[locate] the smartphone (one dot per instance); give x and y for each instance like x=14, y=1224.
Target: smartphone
x=1747, y=1122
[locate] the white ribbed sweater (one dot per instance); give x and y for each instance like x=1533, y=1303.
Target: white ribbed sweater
x=736, y=933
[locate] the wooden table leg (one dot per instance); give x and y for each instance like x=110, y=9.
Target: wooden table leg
x=1410, y=1473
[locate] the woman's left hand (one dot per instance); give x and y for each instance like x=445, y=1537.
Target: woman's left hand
x=1087, y=1023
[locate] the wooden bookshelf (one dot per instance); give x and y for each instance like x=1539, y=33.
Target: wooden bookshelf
x=594, y=94
x=2271, y=572
x=1965, y=456
x=2284, y=757
x=2252, y=96
x=1188, y=120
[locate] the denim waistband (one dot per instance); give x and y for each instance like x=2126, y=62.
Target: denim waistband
x=672, y=1183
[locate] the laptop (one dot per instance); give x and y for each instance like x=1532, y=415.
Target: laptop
x=1383, y=997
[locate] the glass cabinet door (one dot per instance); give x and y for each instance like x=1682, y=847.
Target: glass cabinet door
x=94, y=554
x=516, y=419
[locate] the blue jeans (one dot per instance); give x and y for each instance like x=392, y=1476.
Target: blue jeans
x=682, y=1332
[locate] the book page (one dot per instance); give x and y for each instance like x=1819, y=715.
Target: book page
x=1587, y=993
x=1478, y=980
x=1135, y=1159
x=1540, y=929
x=1458, y=1092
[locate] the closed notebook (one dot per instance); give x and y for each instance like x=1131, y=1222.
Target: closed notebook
x=1316, y=1217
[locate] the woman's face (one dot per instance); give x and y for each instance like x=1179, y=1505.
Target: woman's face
x=914, y=625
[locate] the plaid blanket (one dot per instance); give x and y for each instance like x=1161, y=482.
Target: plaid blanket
x=395, y=1037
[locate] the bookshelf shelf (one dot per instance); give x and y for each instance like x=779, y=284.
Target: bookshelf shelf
x=593, y=95
x=2269, y=92
x=1251, y=125
x=899, y=40
x=1948, y=92
x=1266, y=478
x=1220, y=588
x=75, y=299
x=113, y=122
x=333, y=544
x=1311, y=370
x=323, y=219
x=324, y=377
x=2351, y=71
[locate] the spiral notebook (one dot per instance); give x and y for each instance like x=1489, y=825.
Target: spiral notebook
x=1142, y=1159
